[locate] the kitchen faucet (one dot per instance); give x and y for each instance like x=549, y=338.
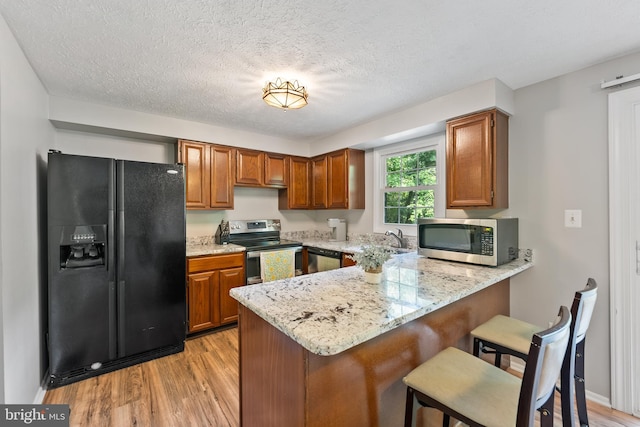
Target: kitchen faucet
x=402, y=243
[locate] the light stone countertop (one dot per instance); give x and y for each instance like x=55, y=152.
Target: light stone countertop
x=206, y=246
x=209, y=248
x=332, y=311
x=345, y=246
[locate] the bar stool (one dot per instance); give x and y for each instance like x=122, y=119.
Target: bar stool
x=507, y=335
x=479, y=394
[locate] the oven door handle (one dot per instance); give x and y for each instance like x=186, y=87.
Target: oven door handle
x=256, y=254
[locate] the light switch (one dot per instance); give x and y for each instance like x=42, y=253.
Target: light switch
x=573, y=218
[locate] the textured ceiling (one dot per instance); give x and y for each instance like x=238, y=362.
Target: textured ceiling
x=207, y=61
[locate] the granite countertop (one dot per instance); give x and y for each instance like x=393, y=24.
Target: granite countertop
x=345, y=246
x=209, y=248
x=332, y=311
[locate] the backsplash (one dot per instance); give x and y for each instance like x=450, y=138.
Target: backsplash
x=356, y=238
x=380, y=238
x=311, y=235
x=200, y=240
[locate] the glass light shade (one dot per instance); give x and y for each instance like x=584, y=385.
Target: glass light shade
x=285, y=95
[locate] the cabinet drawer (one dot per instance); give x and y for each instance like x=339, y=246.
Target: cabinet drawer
x=215, y=262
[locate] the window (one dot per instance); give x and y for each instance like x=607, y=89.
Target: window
x=409, y=182
x=410, y=177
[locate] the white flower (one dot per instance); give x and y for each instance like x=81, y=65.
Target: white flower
x=371, y=256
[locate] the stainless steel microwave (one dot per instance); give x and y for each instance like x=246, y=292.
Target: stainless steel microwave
x=491, y=241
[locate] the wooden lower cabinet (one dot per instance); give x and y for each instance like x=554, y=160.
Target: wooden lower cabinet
x=229, y=278
x=202, y=294
x=346, y=261
x=209, y=280
x=282, y=384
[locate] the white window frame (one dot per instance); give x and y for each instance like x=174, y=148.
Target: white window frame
x=436, y=142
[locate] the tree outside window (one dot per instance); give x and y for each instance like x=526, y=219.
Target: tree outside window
x=410, y=181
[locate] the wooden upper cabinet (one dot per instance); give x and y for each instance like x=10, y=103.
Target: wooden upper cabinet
x=276, y=170
x=331, y=181
x=249, y=167
x=208, y=174
x=477, y=161
x=297, y=194
x=260, y=169
x=319, y=182
x=222, y=171
x=195, y=157
x=338, y=180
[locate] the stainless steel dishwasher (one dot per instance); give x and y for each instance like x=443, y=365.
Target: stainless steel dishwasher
x=321, y=259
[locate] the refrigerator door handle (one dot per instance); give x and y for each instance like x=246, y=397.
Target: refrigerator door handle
x=111, y=226
x=121, y=258
x=121, y=320
x=111, y=263
x=113, y=348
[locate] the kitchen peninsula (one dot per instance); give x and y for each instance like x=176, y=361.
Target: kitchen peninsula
x=329, y=349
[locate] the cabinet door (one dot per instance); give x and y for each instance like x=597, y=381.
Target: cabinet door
x=470, y=161
x=222, y=171
x=249, y=167
x=338, y=180
x=195, y=156
x=204, y=301
x=275, y=170
x=230, y=278
x=346, y=261
x=299, y=185
x=319, y=182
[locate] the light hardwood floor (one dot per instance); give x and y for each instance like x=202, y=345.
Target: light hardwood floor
x=198, y=387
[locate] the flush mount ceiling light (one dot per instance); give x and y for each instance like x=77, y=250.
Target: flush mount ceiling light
x=285, y=95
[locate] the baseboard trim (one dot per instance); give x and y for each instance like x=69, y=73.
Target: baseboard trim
x=518, y=366
x=39, y=398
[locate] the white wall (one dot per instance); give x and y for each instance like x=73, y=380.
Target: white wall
x=250, y=203
x=98, y=145
x=95, y=117
x=25, y=136
x=558, y=160
x=420, y=120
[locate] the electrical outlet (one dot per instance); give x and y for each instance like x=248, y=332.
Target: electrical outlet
x=573, y=218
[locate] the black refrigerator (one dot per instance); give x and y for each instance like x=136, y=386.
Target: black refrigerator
x=116, y=264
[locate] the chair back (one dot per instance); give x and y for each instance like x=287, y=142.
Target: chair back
x=582, y=308
x=542, y=370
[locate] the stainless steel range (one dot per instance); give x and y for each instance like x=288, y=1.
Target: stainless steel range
x=259, y=236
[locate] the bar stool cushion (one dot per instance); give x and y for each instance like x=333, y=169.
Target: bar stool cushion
x=508, y=332
x=469, y=385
